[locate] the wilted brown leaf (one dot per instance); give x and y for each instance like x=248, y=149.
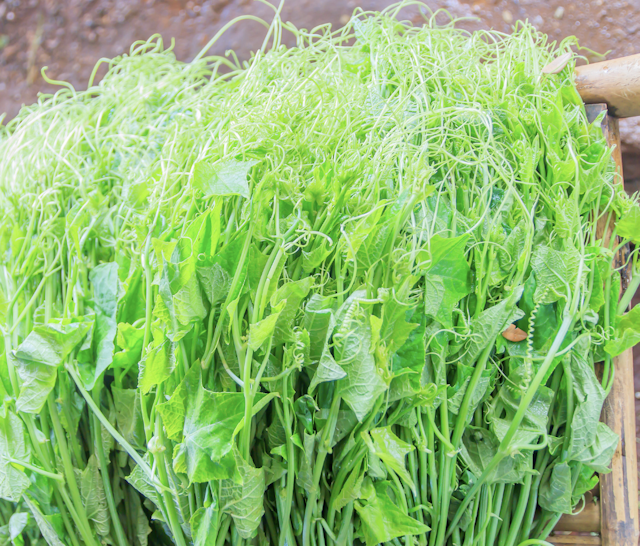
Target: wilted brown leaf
x=558, y=64
x=512, y=333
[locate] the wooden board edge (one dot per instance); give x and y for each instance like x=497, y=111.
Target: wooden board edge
x=619, y=488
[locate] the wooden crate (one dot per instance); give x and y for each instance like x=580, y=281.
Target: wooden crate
x=610, y=515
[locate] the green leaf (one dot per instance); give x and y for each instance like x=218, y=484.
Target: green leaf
x=477, y=449
x=13, y=482
x=628, y=333
x=504, y=406
x=598, y=455
x=130, y=340
x=447, y=279
x=37, y=382
x=628, y=227
x=490, y=323
x=597, y=299
x=259, y=403
x=352, y=353
x=346, y=422
x=173, y=411
x=4, y=304
x=318, y=321
x=381, y=518
x=210, y=422
x=513, y=247
x=555, y=489
x=179, y=302
x=556, y=272
x=94, y=498
x=243, y=500
x=158, y=362
x=587, y=480
x=104, y=279
x=327, y=369
x=140, y=520
x=567, y=216
x=132, y=305
x=216, y=275
x=40, y=354
x=71, y=411
x=273, y=469
x=546, y=322
x=351, y=488
x=47, y=530
x=391, y=450
x=140, y=481
x=204, y=232
x=226, y=178
x=304, y=474
x=357, y=232
x=261, y=331
x=129, y=416
x=204, y=525
x=411, y=356
x=304, y=408
x=456, y=392
x=395, y=328
x=17, y=523
x=78, y=218
x=51, y=343
x=588, y=400
x=291, y=294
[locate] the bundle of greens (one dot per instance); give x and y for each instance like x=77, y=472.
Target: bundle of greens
x=348, y=292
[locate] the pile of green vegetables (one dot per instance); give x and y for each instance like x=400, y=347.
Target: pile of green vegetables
x=264, y=302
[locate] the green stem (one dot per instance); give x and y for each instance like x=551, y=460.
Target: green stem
x=505, y=514
x=223, y=531
x=541, y=464
x=495, y=514
x=546, y=530
x=232, y=292
x=505, y=446
x=285, y=521
x=631, y=290
x=85, y=528
x=521, y=506
x=54, y=476
x=117, y=436
x=121, y=540
x=450, y=461
x=323, y=450
x=147, y=332
x=345, y=525
x=568, y=375
x=159, y=455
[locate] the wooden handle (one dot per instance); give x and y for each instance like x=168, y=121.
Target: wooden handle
x=615, y=82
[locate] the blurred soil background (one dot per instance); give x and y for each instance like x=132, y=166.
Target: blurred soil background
x=69, y=36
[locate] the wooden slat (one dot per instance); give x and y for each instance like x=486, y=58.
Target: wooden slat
x=619, y=488
x=588, y=520
x=576, y=540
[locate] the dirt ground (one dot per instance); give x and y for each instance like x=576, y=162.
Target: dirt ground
x=69, y=36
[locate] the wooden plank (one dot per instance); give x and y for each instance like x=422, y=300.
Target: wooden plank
x=619, y=488
x=615, y=82
x=581, y=540
x=588, y=520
